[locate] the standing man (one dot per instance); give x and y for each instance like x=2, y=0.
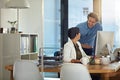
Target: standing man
x=88, y=31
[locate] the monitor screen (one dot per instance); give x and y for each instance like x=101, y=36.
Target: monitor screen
x=104, y=43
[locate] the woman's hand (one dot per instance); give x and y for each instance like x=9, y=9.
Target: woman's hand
x=75, y=61
x=86, y=46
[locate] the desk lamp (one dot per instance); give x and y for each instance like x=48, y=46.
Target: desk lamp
x=17, y=4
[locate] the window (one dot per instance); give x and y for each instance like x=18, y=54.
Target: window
x=51, y=25
x=111, y=18
x=78, y=11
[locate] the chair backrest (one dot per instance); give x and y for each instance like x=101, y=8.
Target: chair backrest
x=74, y=71
x=26, y=70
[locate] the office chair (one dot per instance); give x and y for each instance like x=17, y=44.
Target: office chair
x=26, y=70
x=74, y=71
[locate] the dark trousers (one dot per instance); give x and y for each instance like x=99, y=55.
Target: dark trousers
x=95, y=76
x=88, y=51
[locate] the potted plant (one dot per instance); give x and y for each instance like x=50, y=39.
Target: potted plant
x=13, y=29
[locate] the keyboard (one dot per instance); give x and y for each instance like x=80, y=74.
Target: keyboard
x=114, y=65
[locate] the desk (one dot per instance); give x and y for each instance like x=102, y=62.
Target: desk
x=105, y=72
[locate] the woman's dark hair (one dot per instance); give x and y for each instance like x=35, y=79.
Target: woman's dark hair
x=72, y=32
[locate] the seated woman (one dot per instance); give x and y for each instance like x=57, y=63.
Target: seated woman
x=73, y=51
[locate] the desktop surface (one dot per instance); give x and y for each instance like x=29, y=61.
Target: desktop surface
x=104, y=70
x=114, y=65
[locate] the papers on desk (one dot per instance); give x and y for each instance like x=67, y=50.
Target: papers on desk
x=115, y=66
x=51, y=62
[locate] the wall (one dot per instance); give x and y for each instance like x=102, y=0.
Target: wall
x=7, y=15
x=2, y=2
x=97, y=8
x=30, y=20
x=1, y=50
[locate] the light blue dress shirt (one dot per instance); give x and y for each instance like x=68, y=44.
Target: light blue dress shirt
x=88, y=35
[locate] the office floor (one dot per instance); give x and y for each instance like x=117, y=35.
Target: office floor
x=51, y=74
x=51, y=78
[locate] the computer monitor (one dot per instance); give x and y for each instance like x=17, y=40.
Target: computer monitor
x=104, y=43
